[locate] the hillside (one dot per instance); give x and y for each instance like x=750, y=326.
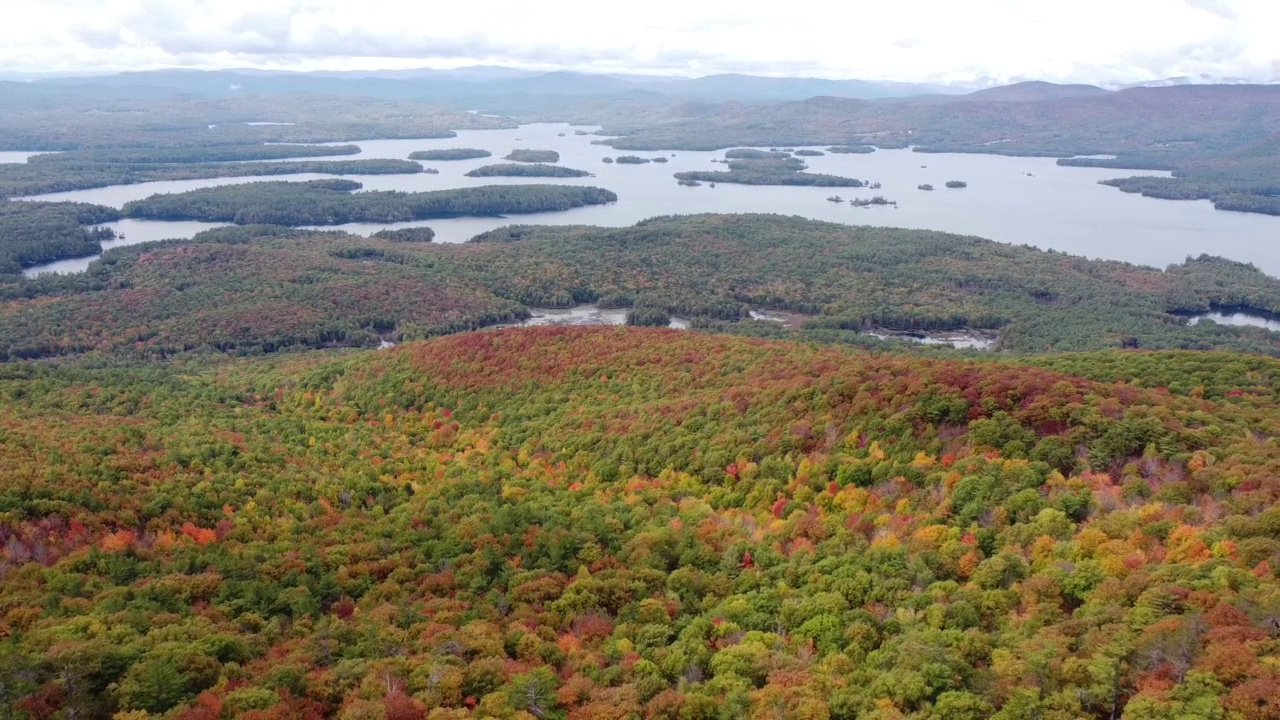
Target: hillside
x=614, y=523
x=1035, y=91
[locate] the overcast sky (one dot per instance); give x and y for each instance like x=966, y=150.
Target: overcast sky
x=1112, y=41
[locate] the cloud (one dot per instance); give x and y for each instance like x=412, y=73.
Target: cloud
x=1086, y=40
x=1221, y=8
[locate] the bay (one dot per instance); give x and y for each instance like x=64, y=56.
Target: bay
x=1017, y=200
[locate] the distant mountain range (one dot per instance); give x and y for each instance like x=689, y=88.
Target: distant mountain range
x=513, y=91
x=1035, y=91
x=1201, y=79
x=490, y=81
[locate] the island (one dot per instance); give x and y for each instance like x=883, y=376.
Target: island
x=631, y=160
x=925, y=186
x=38, y=232
x=450, y=154
x=533, y=156
x=331, y=202
x=757, y=167
x=874, y=201
x=753, y=154
x=18, y=179
x=957, y=184
x=420, y=234
x=526, y=170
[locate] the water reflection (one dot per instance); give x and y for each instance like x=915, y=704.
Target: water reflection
x=582, y=315
x=960, y=339
x=128, y=232
x=1240, y=319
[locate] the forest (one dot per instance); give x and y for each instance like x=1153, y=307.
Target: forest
x=197, y=154
x=36, y=232
x=533, y=156
x=449, y=154
x=748, y=166
x=257, y=289
x=526, y=170
x=588, y=523
x=18, y=179
x=137, y=118
x=318, y=202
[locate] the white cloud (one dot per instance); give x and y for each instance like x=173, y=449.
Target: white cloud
x=1083, y=40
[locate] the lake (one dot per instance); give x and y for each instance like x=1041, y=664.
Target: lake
x=1009, y=199
x=18, y=156
x=1240, y=319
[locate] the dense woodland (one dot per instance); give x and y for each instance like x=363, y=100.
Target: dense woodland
x=526, y=170
x=449, y=154
x=640, y=523
x=533, y=156
x=197, y=154
x=36, y=232
x=748, y=166
x=19, y=179
x=409, y=234
x=319, y=202
x=138, y=117
x=261, y=288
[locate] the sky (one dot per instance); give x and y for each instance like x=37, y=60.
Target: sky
x=1097, y=41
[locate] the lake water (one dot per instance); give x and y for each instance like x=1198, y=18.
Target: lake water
x=581, y=315
x=18, y=156
x=128, y=232
x=1015, y=200
x=1240, y=319
x=590, y=314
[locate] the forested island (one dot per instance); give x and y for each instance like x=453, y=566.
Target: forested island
x=526, y=170
x=36, y=232
x=877, y=201
x=1262, y=197
x=450, y=154
x=631, y=160
x=18, y=179
x=748, y=166
x=409, y=234
x=533, y=156
x=754, y=154
x=197, y=154
x=765, y=177
x=330, y=202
